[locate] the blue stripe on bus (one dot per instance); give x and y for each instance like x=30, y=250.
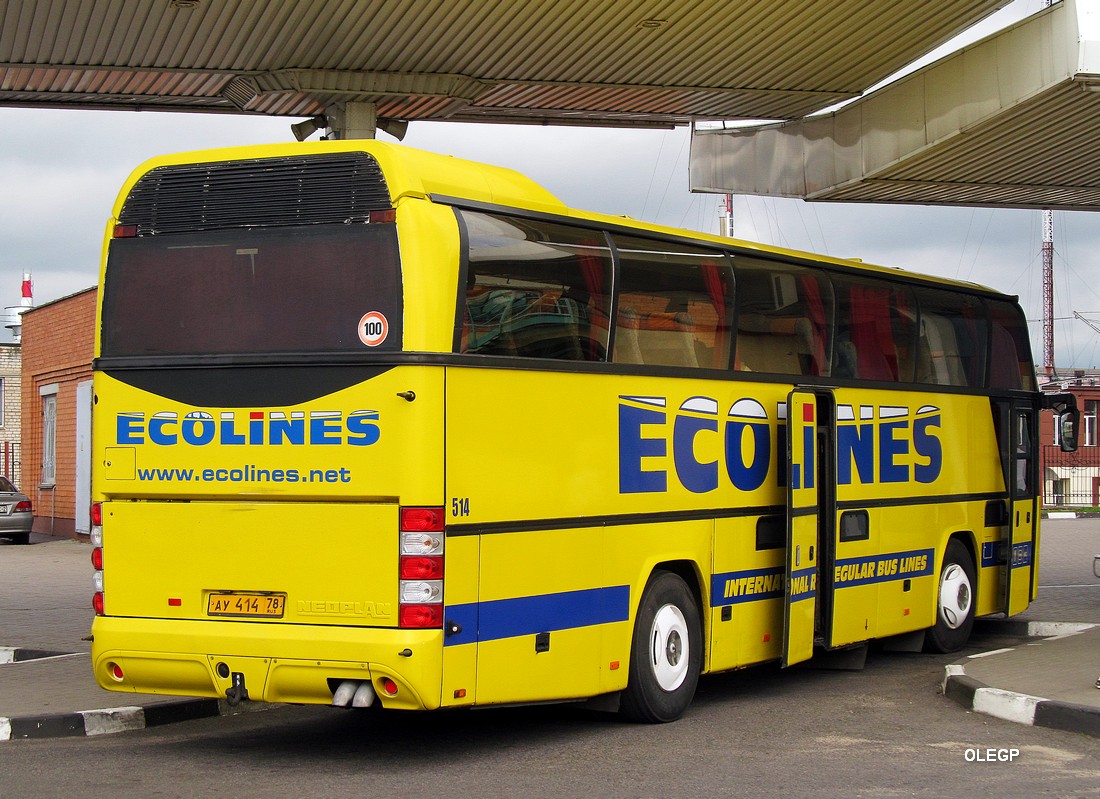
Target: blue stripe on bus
x=993, y=554
x=804, y=584
x=851, y=572
x=1021, y=555
x=528, y=615
x=751, y=585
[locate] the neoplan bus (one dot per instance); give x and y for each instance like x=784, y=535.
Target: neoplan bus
x=378, y=426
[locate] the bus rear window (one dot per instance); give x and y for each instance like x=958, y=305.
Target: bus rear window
x=317, y=288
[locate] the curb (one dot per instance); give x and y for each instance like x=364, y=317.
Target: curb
x=110, y=720
x=14, y=654
x=1022, y=708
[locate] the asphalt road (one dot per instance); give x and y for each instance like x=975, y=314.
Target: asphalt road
x=883, y=731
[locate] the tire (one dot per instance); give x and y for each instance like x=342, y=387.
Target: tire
x=19, y=538
x=666, y=652
x=954, y=601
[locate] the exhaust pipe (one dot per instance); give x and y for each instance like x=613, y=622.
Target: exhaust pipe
x=344, y=693
x=364, y=696
x=354, y=693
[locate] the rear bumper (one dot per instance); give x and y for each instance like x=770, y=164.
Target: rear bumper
x=16, y=523
x=278, y=662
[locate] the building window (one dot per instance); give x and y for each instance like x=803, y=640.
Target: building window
x=1, y=402
x=49, y=434
x=1089, y=420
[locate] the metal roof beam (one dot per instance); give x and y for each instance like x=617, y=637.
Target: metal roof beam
x=1003, y=122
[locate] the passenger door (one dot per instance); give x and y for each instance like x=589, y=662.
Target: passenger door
x=1022, y=532
x=804, y=517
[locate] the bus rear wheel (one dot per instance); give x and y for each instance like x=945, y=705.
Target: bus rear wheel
x=954, y=601
x=666, y=652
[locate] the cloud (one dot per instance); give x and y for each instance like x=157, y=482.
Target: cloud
x=62, y=171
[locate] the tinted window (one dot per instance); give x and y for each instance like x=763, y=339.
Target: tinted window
x=297, y=289
x=535, y=289
x=875, y=331
x=674, y=304
x=1010, y=365
x=951, y=347
x=783, y=319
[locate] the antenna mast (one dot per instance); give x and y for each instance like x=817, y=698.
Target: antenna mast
x=1048, y=292
x=725, y=219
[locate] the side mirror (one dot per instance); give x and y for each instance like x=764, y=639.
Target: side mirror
x=1068, y=422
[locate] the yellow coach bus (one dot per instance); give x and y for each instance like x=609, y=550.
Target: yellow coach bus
x=378, y=426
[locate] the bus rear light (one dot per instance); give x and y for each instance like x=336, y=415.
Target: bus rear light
x=420, y=617
x=422, y=520
x=115, y=672
x=125, y=231
x=421, y=568
x=388, y=215
x=421, y=544
x=95, y=516
x=421, y=592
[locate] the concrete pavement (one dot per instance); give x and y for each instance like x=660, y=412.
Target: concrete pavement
x=1038, y=673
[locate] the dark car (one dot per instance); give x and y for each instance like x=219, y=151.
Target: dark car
x=15, y=513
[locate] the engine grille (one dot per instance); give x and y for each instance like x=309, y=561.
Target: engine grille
x=268, y=192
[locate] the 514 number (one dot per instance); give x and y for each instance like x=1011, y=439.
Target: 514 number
x=460, y=506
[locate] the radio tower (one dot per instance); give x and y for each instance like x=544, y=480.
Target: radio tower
x=1048, y=292
x=725, y=219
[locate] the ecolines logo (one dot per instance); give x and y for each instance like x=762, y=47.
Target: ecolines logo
x=875, y=444
x=249, y=428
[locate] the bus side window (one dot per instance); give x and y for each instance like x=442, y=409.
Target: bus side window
x=875, y=328
x=534, y=289
x=675, y=305
x=782, y=319
x=954, y=331
x=1010, y=360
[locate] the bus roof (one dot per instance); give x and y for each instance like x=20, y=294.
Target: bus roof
x=412, y=172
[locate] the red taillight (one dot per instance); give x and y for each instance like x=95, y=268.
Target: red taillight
x=422, y=568
x=125, y=231
x=388, y=215
x=95, y=535
x=422, y=520
x=420, y=616
x=23, y=507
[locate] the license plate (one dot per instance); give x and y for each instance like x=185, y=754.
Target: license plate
x=242, y=603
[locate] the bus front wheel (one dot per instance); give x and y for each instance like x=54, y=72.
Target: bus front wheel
x=666, y=652
x=954, y=601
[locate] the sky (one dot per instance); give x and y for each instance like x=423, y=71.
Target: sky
x=60, y=172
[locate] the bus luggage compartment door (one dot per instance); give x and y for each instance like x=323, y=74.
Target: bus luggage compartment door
x=800, y=592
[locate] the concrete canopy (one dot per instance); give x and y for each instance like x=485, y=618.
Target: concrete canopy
x=1010, y=121
x=639, y=63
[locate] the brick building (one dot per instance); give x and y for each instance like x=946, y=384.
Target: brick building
x=1072, y=479
x=58, y=343
x=11, y=359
